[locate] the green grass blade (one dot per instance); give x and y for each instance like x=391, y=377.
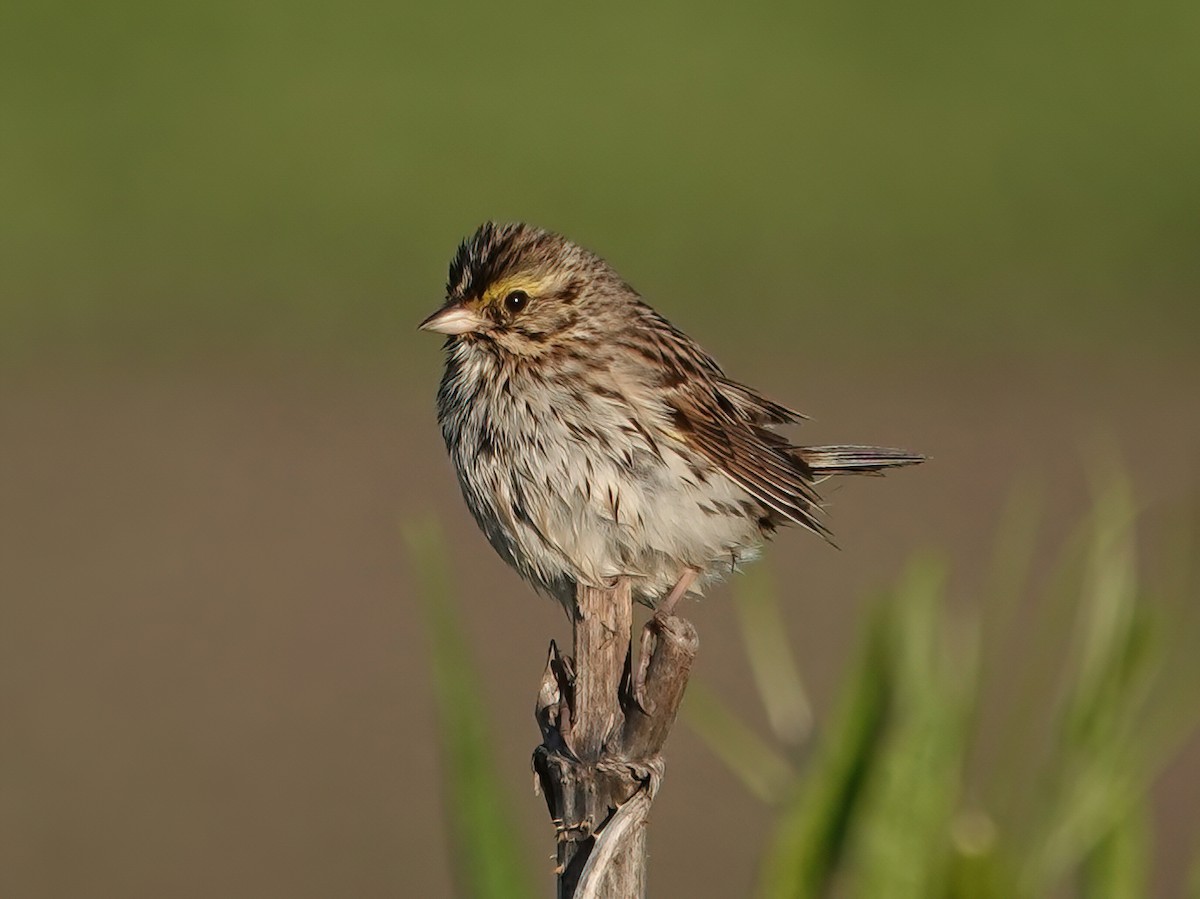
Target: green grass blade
x=1097, y=778
x=1118, y=866
x=902, y=845
x=776, y=674
x=1003, y=623
x=485, y=855
x=810, y=839
x=763, y=771
x=1110, y=594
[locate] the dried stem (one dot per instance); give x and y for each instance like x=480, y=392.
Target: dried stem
x=600, y=762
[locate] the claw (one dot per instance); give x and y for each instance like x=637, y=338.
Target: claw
x=665, y=609
x=639, y=679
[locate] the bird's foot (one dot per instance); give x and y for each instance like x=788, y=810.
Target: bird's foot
x=665, y=610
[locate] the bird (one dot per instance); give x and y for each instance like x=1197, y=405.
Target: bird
x=593, y=440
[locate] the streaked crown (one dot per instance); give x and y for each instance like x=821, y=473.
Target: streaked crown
x=520, y=286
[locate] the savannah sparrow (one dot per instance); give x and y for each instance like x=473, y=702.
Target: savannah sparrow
x=593, y=439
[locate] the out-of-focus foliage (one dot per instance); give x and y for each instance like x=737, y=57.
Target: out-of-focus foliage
x=907, y=793
x=201, y=171
x=485, y=855
x=915, y=786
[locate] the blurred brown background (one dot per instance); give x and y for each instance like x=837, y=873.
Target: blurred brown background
x=969, y=232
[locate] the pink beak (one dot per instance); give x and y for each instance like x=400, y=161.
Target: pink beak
x=453, y=319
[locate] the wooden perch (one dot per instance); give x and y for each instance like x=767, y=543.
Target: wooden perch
x=600, y=762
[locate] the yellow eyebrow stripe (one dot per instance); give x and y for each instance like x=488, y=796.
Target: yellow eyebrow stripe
x=501, y=289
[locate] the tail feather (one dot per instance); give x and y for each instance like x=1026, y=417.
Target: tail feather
x=829, y=460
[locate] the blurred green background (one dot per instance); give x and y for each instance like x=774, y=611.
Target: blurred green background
x=971, y=230
x=932, y=173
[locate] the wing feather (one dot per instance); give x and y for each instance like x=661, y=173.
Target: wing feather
x=727, y=423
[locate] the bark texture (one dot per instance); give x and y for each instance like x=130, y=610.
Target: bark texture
x=603, y=724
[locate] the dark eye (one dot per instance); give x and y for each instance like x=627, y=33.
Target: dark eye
x=516, y=301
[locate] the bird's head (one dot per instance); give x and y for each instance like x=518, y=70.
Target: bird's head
x=525, y=290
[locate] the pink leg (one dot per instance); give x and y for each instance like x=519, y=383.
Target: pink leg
x=665, y=609
x=681, y=587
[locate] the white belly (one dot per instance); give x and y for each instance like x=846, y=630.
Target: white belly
x=574, y=488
